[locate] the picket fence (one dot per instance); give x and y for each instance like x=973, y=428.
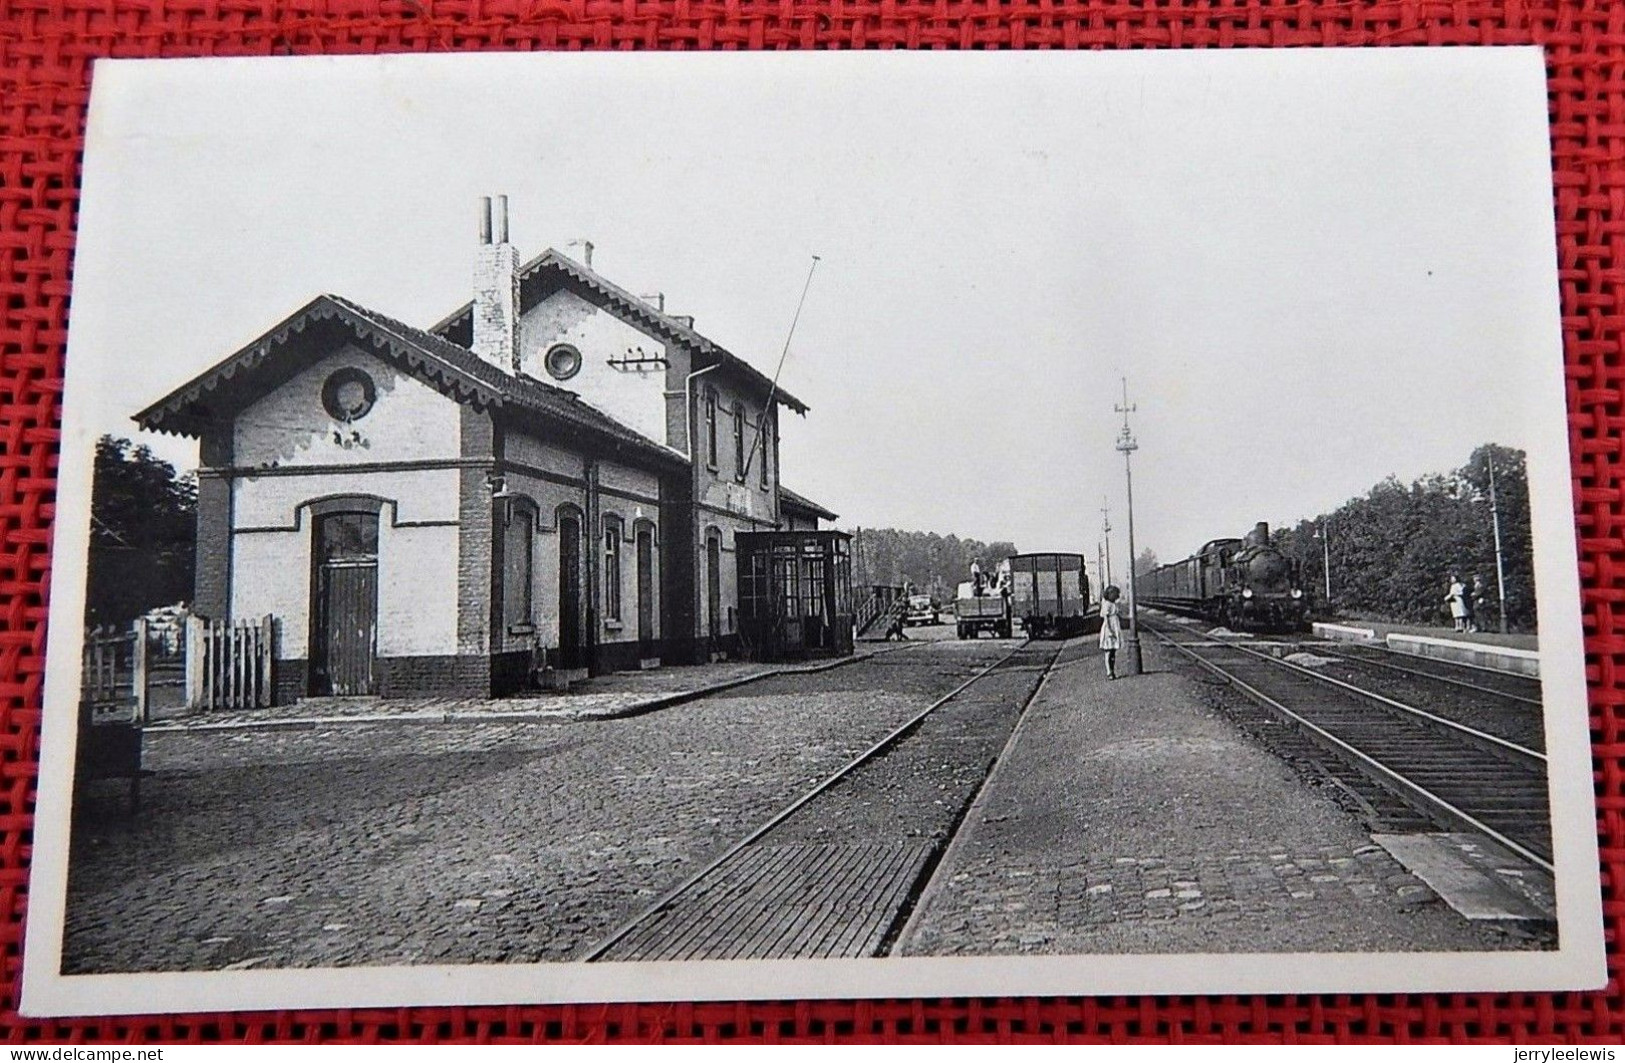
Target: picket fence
x=229, y=665
x=226, y=666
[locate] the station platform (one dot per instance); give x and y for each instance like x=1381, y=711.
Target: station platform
x=1518, y=654
x=1132, y=816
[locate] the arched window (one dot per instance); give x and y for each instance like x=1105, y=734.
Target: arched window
x=518, y=564
x=767, y=447
x=739, y=441
x=612, y=569
x=643, y=546
x=711, y=428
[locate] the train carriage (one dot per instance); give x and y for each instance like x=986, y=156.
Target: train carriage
x=1050, y=593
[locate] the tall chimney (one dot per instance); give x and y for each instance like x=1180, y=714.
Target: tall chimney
x=496, y=289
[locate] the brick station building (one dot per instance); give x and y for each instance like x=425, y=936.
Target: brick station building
x=553, y=476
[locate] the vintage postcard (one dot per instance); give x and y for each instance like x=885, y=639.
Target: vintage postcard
x=639, y=527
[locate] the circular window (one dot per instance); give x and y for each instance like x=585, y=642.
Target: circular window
x=348, y=394
x=563, y=361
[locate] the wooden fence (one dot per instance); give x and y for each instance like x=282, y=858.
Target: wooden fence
x=115, y=673
x=228, y=665
x=214, y=665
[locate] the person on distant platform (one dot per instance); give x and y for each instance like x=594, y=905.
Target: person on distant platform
x=1456, y=599
x=1469, y=602
x=1111, y=629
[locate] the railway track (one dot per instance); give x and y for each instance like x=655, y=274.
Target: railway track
x=1508, y=686
x=822, y=878
x=1455, y=776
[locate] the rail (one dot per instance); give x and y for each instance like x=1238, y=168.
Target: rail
x=1370, y=662
x=1471, y=733
x=1417, y=793
x=666, y=899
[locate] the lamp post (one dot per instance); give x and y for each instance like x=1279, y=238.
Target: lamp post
x=1132, y=664
x=1495, y=524
x=1326, y=548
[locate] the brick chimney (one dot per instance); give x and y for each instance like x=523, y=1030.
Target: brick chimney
x=496, y=289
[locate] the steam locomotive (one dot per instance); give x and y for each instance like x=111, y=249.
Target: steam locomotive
x=1242, y=584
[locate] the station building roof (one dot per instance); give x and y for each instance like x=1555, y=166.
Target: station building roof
x=552, y=268
x=788, y=499
x=212, y=397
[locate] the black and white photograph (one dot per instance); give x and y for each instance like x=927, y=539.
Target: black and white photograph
x=573, y=527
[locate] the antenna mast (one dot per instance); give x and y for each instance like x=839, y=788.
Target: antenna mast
x=767, y=407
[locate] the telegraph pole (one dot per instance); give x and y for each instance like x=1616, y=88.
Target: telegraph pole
x=1132, y=664
x=1495, y=523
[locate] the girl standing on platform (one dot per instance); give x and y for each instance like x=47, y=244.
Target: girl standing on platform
x=1111, y=629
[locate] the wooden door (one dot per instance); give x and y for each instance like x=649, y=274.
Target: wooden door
x=713, y=585
x=570, y=648
x=815, y=630
x=344, y=636
x=646, y=595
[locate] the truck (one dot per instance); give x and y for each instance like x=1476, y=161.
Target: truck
x=921, y=610
x=976, y=613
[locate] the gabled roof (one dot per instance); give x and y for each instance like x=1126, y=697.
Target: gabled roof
x=458, y=326
x=788, y=499
x=454, y=370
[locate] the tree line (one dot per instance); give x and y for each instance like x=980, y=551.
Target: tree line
x=1393, y=550
x=934, y=564
x=143, y=531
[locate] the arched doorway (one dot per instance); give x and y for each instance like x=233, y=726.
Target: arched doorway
x=344, y=603
x=713, y=584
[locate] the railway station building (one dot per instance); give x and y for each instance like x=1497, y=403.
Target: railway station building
x=553, y=477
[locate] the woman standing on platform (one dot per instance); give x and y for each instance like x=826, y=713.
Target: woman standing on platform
x=1456, y=599
x=1111, y=629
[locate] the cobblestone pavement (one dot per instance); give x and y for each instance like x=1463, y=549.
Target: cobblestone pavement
x=598, y=697
x=446, y=843
x=1128, y=817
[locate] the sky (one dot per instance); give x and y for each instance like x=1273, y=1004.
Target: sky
x=1314, y=269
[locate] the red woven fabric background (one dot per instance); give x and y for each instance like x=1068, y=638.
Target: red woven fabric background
x=46, y=49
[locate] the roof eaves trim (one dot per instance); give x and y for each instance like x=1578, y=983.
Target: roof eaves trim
x=321, y=308
x=636, y=308
x=803, y=503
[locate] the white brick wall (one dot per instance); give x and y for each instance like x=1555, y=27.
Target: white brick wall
x=409, y=420
x=635, y=399
x=417, y=567
x=496, y=304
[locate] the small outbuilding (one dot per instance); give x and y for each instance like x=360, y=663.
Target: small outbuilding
x=795, y=594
